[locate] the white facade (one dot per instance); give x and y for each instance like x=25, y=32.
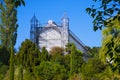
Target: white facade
x=49, y=38
x=52, y=35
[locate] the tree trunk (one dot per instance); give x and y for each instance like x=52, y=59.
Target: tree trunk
x=11, y=63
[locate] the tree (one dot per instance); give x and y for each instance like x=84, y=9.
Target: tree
x=101, y=13
x=3, y=70
x=108, y=15
x=4, y=55
x=44, y=56
x=111, y=47
x=57, y=55
x=68, y=47
x=8, y=28
x=50, y=71
x=28, y=57
x=94, y=70
x=76, y=60
x=56, y=50
x=93, y=51
x=8, y=21
x=111, y=41
x=66, y=61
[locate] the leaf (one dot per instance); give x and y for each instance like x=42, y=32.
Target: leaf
x=105, y=23
x=109, y=51
x=119, y=18
x=114, y=5
x=117, y=49
x=103, y=1
x=114, y=18
x=119, y=12
x=100, y=27
x=108, y=45
x=111, y=11
x=93, y=15
x=99, y=13
x=23, y=2
x=17, y=3
x=116, y=60
x=111, y=54
x=117, y=9
x=88, y=10
x=112, y=59
x=104, y=7
x=93, y=10
x=105, y=13
x=95, y=28
x=1, y=7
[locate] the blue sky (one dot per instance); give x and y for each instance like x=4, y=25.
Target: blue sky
x=80, y=22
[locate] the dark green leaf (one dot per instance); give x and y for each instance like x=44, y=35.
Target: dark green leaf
x=110, y=54
x=114, y=5
x=118, y=18
x=119, y=12
x=104, y=7
x=100, y=27
x=117, y=9
x=109, y=51
x=112, y=59
x=95, y=28
x=116, y=60
x=23, y=2
x=111, y=11
x=114, y=18
x=93, y=15
x=88, y=10
x=105, y=23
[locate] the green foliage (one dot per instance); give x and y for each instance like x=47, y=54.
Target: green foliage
x=68, y=47
x=3, y=70
x=101, y=13
x=44, y=56
x=108, y=14
x=28, y=75
x=93, y=51
x=111, y=43
x=110, y=50
x=56, y=50
x=8, y=28
x=93, y=69
x=75, y=77
x=66, y=62
x=28, y=54
x=27, y=58
x=4, y=55
x=12, y=64
x=76, y=60
x=58, y=66
x=57, y=55
x=18, y=3
x=50, y=71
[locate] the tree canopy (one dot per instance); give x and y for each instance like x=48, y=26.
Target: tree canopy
x=8, y=28
x=106, y=13
x=103, y=10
